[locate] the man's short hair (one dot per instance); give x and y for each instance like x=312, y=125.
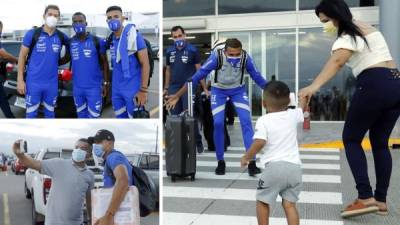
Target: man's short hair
x=79, y=14
x=233, y=43
x=113, y=8
x=276, y=93
x=52, y=7
x=176, y=28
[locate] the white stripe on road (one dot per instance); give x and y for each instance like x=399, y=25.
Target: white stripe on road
x=307, y=178
x=235, y=148
x=330, y=198
x=321, y=166
x=6, y=210
x=170, y=218
x=302, y=156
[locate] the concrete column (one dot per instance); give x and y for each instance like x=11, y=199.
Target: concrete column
x=389, y=18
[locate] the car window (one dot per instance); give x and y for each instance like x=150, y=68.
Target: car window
x=51, y=155
x=12, y=48
x=150, y=162
x=66, y=154
x=154, y=162
x=133, y=159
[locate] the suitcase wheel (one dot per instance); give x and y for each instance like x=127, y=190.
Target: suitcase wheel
x=192, y=177
x=173, y=178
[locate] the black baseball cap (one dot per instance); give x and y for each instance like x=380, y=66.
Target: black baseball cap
x=102, y=135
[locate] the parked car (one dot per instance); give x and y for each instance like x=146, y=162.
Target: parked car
x=150, y=163
x=19, y=168
x=65, y=106
x=3, y=162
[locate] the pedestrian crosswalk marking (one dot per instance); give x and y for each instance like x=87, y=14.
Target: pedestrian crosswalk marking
x=307, y=178
x=327, y=161
x=313, y=197
x=173, y=218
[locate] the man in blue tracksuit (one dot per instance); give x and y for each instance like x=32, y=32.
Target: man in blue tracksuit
x=229, y=64
x=130, y=64
x=89, y=68
x=42, y=68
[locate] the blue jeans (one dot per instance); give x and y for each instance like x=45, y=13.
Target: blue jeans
x=375, y=107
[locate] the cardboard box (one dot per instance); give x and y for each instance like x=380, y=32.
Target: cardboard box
x=127, y=214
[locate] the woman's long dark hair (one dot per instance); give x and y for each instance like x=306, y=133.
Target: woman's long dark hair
x=340, y=11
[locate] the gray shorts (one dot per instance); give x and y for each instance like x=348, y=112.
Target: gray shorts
x=279, y=178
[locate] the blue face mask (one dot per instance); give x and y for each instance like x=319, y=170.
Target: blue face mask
x=79, y=28
x=180, y=43
x=98, y=150
x=78, y=155
x=114, y=24
x=233, y=60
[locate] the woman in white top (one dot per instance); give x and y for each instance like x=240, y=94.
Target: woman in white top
x=375, y=105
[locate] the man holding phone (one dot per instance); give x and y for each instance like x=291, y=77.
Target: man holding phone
x=72, y=181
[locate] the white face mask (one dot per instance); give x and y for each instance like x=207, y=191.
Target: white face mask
x=330, y=28
x=51, y=21
x=79, y=155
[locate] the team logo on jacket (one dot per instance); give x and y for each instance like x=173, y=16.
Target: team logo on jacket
x=87, y=53
x=56, y=47
x=185, y=59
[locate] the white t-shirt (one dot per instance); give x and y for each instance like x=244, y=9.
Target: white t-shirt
x=279, y=130
x=364, y=56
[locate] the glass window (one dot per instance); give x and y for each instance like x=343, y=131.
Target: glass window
x=310, y=4
x=273, y=52
x=178, y=8
x=332, y=101
x=255, y=6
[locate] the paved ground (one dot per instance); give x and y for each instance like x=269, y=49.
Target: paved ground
x=151, y=106
x=230, y=199
x=19, y=208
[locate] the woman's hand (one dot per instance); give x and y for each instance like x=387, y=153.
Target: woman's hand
x=308, y=92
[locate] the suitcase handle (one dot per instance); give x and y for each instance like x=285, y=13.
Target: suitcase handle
x=190, y=97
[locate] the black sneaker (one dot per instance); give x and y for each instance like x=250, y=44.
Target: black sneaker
x=220, y=170
x=252, y=168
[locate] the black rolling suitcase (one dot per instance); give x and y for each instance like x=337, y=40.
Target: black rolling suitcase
x=180, y=155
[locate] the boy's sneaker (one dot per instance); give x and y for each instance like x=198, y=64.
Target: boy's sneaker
x=220, y=170
x=252, y=168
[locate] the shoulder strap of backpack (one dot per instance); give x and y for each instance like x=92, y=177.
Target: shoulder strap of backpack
x=35, y=38
x=109, y=40
x=243, y=62
x=97, y=46
x=61, y=37
x=220, y=61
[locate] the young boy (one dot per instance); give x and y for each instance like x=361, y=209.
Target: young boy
x=276, y=133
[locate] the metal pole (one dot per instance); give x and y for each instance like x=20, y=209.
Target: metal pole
x=388, y=15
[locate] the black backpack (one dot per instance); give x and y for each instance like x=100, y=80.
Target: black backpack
x=147, y=199
x=35, y=38
x=149, y=52
x=220, y=58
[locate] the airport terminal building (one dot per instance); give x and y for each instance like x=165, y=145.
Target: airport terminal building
x=284, y=37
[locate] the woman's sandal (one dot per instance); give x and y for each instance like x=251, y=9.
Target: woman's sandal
x=357, y=208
